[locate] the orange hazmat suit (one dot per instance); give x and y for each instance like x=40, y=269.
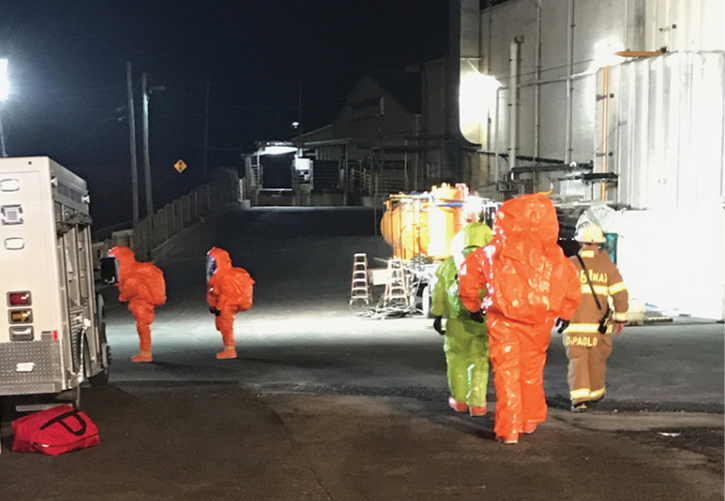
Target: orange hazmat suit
x=229, y=290
x=529, y=283
x=142, y=285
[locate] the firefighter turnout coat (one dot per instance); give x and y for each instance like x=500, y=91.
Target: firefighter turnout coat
x=587, y=348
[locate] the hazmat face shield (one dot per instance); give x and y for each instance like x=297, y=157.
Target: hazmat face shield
x=210, y=267
x=110, y=270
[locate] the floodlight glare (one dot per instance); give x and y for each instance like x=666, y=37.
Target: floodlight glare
x=4, y=80
x=278, y=150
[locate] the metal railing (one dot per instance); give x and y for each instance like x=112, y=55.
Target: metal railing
x=173, y=218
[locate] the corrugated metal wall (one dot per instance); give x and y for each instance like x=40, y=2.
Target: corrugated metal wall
x=667, y=130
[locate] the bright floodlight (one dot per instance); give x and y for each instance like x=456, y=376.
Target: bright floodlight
x=278, y=150
x=477, y=99
x=4, y=81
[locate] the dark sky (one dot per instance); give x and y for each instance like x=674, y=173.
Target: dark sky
x=68, y=70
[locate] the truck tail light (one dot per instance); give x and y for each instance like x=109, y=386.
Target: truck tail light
x=21, y=298
x=21, y=316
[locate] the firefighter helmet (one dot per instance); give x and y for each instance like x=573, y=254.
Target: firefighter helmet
x=590, y=232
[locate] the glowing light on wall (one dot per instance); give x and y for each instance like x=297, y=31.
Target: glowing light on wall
x=605, y=54
x=477, y=99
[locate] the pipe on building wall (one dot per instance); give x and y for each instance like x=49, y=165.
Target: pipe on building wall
x=496, y=145
x=513, y=100
x=605, y=129
x=496, y=128
x=569, y=81
x=537, y=62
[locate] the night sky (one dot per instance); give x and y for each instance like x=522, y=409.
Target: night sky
x=68, y=71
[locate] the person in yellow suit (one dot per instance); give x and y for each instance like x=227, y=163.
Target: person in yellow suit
x=588, y=339
x=466, y=343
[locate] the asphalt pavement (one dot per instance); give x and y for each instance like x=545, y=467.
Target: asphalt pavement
x=326, y=404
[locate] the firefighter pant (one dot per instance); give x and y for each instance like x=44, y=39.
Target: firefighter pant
x=466, y=348
x=143, y=313
x=518, y=355
x=225, y=324
x=588, y=354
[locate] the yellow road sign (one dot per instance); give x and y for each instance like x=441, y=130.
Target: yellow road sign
x=180, y=165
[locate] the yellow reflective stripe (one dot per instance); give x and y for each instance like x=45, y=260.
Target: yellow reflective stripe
x=583, y=328
x=620, y=317
x=618, y=287
x=587, y=253
x=583, y=393
x=597, y=393
x=599, y=289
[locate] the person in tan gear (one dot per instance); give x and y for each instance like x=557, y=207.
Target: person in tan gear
x=588, y=338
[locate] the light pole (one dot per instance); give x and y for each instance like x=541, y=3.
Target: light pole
x=4, y=92
x=146, y=92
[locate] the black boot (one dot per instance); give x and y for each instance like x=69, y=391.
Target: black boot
x=580, y=407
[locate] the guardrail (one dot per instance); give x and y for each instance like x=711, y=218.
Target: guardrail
x=364, y=182
x=223, y=191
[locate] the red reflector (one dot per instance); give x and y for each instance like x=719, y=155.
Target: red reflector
x=55, y=335
x=19, y=298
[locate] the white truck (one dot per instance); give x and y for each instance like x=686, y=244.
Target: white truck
x=52, y=336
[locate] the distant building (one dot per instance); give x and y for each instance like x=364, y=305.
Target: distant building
x=393, y=134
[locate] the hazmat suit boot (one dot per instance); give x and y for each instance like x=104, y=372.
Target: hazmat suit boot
x=457, y=406
x=477, y=411
x=511, y=439
x=144, y=356
x=228, y=353
x=530, y=427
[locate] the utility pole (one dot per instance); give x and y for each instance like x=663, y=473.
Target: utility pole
x=299, y=116
x=206, y=132
x=132, y=135
x=146, y=156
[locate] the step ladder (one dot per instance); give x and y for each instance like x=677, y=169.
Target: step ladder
x=360, y=287
x=396, y=289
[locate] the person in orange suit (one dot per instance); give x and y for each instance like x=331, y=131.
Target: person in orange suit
x=228, y=291
x=529, y=284
x=142, y=285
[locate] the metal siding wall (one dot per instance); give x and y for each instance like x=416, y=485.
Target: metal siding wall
x=671, y=155
x=700, y=25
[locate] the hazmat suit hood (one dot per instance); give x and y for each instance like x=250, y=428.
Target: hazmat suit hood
x=126, y=258
x=217, y=259
x=529, y=217
x=472, y=236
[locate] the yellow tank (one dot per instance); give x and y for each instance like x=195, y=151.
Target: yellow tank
x=424, y=224
x=405, y=226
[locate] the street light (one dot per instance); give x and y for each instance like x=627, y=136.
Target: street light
x=4, y=92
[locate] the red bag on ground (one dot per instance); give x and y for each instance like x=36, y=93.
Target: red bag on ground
x=54, y=431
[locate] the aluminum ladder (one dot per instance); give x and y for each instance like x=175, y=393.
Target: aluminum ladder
x=396, y=288
x=360, y=286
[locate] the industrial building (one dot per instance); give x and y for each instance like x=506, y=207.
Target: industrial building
x=617, y=101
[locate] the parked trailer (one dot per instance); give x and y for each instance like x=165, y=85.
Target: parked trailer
x=53, y=335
